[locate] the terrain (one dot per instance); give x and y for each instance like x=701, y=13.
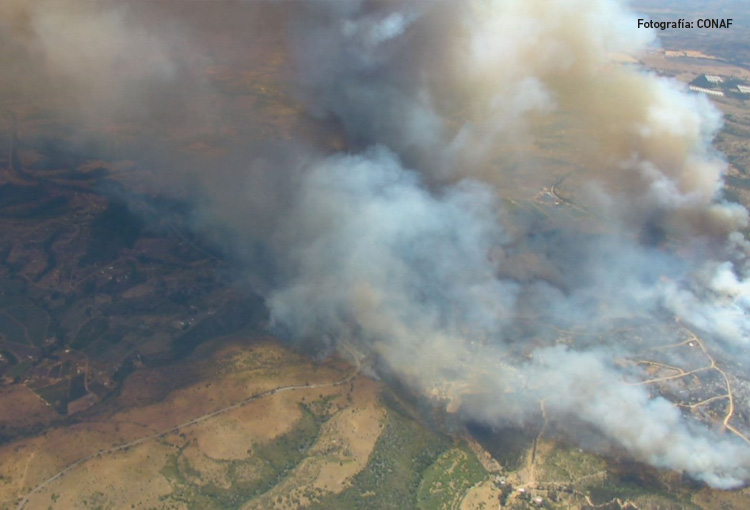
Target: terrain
x=246, y=423
x=137, y=372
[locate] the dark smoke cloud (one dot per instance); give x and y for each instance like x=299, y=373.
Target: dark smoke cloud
x=411, y=248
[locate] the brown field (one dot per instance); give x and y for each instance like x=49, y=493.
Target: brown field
x=157, y=427
x=19, y=406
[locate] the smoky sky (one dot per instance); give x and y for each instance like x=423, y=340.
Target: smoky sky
x=414, y=240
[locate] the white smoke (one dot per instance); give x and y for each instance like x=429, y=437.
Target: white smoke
x=437, y=287
x=379, y=262
x=412, y=245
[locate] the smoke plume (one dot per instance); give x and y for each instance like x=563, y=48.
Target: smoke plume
x=450, y=288
x=519, y=220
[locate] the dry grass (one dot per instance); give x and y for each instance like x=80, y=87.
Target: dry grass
x=481, y=497
x=342, y=450
x=144, y=474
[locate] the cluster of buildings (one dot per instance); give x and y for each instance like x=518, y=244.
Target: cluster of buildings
x=507, y=491
x=718, y=86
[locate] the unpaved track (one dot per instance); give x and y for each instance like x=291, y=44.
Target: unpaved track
x=101, y=453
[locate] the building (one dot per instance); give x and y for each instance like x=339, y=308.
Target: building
x=706, y=91
x=713, y=79
x=744, y=89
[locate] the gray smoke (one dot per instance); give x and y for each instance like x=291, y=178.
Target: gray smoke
x=421, y=245
x=413, y=276
x=449, y=290
x=97, y=63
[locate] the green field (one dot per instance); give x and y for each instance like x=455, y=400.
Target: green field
x=446, y=481
x=402, y=456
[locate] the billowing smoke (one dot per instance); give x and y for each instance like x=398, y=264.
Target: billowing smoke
x=415, y=277
x=519, y=223
x=462, y=297
x=454, y=88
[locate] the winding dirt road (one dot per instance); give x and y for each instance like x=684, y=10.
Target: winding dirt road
x=357, y=367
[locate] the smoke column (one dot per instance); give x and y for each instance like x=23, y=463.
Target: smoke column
x=411, y=247
x=428, y=270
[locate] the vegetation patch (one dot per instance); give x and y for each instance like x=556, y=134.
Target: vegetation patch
x=113, y=230
x=567, y=464
x=404, y=451
x=509, y=445
x=446, y=481
x=245, y=479
x=628, y=490
x=90, y=331
x=229, y=319
x=12, y=330
x=56, y=395
x=35, y=321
